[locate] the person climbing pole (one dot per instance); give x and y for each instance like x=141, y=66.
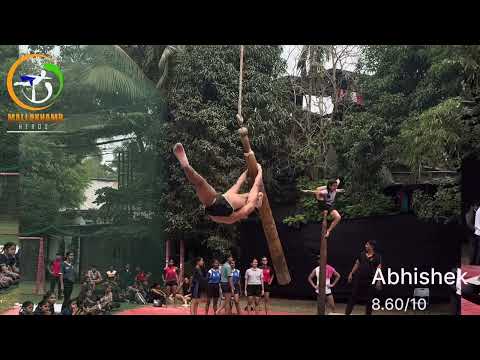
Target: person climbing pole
x=326, y=199
x=227, y=208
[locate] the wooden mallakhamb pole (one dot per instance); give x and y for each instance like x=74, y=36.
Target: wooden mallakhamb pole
x=268, y=223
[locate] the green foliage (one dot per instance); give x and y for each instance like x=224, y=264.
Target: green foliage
x=443, y=206
x=366, y=203
x=360, y=143
x=433, y=137
x=8, y=142
x=96, y=170
x=295, y=221
x=51, y=181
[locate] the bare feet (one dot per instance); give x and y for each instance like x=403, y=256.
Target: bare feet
x=259, y=200
x=179, y=153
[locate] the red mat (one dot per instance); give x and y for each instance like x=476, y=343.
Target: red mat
x=150, y=310
x=469, y=308
x=12, y=311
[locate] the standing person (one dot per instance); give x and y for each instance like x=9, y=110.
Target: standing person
x=140, y=275
x=329, y=284
x=198, y=285
x=236, y=290
x=268, y=277
x=213, y=289
x=67, y=278
x=127, y=278
x=226, y=285
x=476, y=236
x=254, y=285
x=326, y=199
x=54, y=270
x=170, y=279
x=362, y=275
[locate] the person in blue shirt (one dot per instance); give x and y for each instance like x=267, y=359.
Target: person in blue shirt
x=213, y=289
x=236, y=286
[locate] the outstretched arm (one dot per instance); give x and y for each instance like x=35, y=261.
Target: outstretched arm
x=316, y=191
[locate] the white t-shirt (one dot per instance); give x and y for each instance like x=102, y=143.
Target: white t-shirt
x=254, y=276
x=328, y=275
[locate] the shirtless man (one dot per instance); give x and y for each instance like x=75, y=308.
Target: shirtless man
x=326, y=198
x=227, y=208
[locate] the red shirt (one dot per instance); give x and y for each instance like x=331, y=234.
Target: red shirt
x=56, y=267
x=170, y=273
x=140, y=277
x=267, y=274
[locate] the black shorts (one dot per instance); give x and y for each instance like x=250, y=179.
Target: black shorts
x=254, y=290
x=266, y=287
x=323, y=206
x=213, y=291
x=220, y=207
x=225, y=288
x=171, y=283
x=197, y=291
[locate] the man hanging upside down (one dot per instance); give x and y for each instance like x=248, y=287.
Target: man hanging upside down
x=326, y=198
x=229, y=207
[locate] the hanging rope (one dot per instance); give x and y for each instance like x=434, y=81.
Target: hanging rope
x=240, y=88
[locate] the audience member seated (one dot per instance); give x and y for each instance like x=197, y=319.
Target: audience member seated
x=94, y=277
x=112, y=279
x=72, y=308
x=9, y=257
x=140, y=275
x=43, y=308
x=6, y=273
x=185, y=293
x=111, y=274
x=50, y=299
x=5, y=281
x=156, y=294
x=106, y=302
x=27, y=308
x=136, y=293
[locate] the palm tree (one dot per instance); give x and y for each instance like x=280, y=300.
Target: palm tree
x=312, y=58
x=126, y=70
